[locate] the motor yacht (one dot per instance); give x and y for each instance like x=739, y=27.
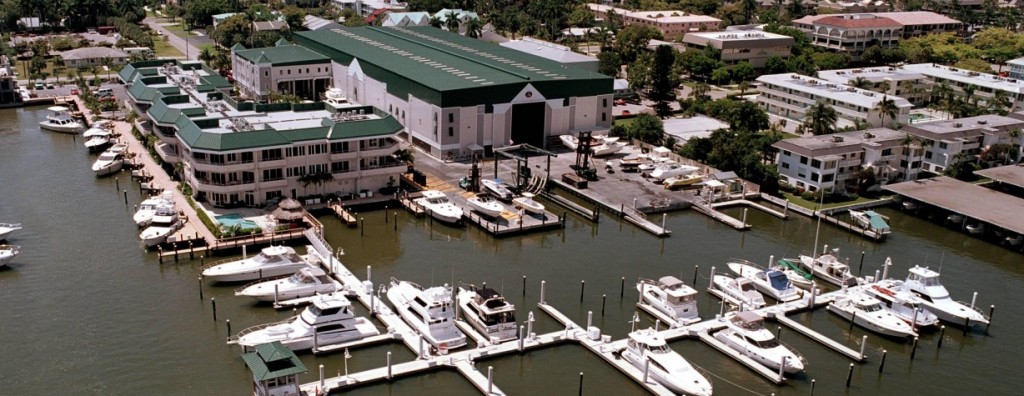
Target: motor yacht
x=868, y=312
x=925, y=284
x=108, y=162
x=7, y=253
x=438, y=206
x=306, y=282
x=647, y=348
x=430, y=312
x=489, y=313
x=527, y=203
x=745, y=333
x=486, y=204
x=60, y=120
x=497, y=189
x=739, y=291
x=329, y=320
x=671, y=169
x=148, y=208
x=830, y=268
x=6, y=229
x=99, y=128
x=670, y=296
x=902, y=303
x=335, y=97
x=271, y=262
x=871, y=220
x=771, y=282
x=97, y=144
x=164, y=224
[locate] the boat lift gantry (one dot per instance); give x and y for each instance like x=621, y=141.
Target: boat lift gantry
x=521, y=154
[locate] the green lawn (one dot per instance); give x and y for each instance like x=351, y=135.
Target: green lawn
x=797, y=200
x=165, y=50
x=179, y=30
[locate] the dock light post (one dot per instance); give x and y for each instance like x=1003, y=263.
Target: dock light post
x=347, y=357
x=389, y=365
x=321, y=376
x=581, y=384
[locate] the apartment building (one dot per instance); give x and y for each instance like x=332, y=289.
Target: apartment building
x=944, y=140
x=789, y=95
x=894, y=81
x=736, y=46
x=1016, y=70
x=853, y=33
x=981, y=87
x=286, y=68
x=833, y=161
x=672, y=24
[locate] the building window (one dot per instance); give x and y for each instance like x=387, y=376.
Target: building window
x=451, y=117
x=604, y=102
x=604, y=117
x=272, y=174
x=887, y=152
x=803, y=160
x=271, y=155
x=339, y=167
x=339, y=147
x=451, y=131
x=266, y=73
x=785, y=165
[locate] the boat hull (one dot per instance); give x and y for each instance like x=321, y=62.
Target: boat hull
x=700, y=385
x=529, y=205
x=70, y=129
x=250, y=274
x=485, y=209
x=266, y=294
x=355, y=330
x=860, y=320
x=108, y=170
x=733, y=340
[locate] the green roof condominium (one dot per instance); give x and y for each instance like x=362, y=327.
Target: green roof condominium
x=454, y=93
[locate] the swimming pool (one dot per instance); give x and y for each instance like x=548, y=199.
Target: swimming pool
x=921, y=117
x=234, y=219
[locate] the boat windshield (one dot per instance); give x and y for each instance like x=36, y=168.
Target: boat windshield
x=870, y=307
x=769, y=343
x=658, y=348
x=107, y=157
x=746, y=286
x=438, y=201
x=681, y=299
x=779, y=281
x=301, y=278
x=499, y=318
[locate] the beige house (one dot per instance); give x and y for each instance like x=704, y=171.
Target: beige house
x=672, y=24
x=739, y=46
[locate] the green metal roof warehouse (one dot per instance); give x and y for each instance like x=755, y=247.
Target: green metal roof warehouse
x=449, y=70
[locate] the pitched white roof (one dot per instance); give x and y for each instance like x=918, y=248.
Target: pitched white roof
x=986, y=80
x=93, y=53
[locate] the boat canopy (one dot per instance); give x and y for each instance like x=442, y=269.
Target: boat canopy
x=876, y=220
x=779, y=280
x=748, y=320
x=670, y=282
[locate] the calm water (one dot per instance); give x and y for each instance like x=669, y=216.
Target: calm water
x=86, y=311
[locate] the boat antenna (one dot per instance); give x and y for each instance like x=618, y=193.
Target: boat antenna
x=941, y=259
x=817, y=229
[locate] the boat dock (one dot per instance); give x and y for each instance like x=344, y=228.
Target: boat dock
x=756, y=367
x=343, y=214
x=722, y=217
x=828, y=214
x=820, y=338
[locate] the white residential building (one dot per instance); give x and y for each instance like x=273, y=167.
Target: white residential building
x=853, y=33
x=1016, y=68
x=943, y=140
x=789, y=95
x=833, y=161
x=895, y=81
x=981, y=86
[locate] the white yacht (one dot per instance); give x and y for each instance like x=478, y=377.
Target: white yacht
x=272, y=261
x=746, y=334
x=438, y=206
x=489, y=313
x=486, y=205
x=672, y=297
x=671, y=169
x=499, y=190
x=108, y=162
x=608, y=146
x=306, y=282
x=98, y=143
x=739, y=291
x=430, y=312
x=830, y=268
x=7, y=253
x=527, y=203
x=148, y=208
x=61, y=121
x=6, y=229
x=868, y=312
x=665, y=366
x=771, y=282
x=902, y=303
x=330, y=319
x=99, y=128
x=164, y=225
x=925, y=284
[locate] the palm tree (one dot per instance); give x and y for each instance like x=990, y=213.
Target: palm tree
x=436, y=22
x=451, y=22
x=1001, y=102
x=700, y=91
x=942, y=97
x=886, y=107
x=910, y=144
x=861, y=82
x=474, y=28
x=603, y=37
x=821, y=119
x=1015, y=141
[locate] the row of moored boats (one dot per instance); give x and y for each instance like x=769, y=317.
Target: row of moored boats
x=491, y=203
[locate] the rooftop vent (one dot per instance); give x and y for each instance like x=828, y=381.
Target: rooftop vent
x=837, y=138
x=957, y=125
x=869, y=135
x=982, y=122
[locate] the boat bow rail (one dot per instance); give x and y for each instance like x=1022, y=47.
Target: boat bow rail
x=258, y=281
x=233, y=339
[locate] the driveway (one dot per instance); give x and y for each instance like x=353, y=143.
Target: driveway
x=194, y=42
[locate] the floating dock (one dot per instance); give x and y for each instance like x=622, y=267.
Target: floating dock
x=344, y=215
x=816, y=336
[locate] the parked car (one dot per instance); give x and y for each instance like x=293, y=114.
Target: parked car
x=49, y=85
x=40, y=85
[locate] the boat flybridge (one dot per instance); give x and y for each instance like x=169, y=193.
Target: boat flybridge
x=670, y=296
x=150, y=206
x=308, y=281
x=60, y=120
x=902, y=303
x=647, y=348
x=925, y=284
x=272, y=261
x=329, y=320
x=739, y=291
x=489, y=313
x=771, y=282
x=745, y=333
x=868, y=312
x=430, y=312
x=439, y=207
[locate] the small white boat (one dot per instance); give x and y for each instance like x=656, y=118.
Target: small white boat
x=527, y=203
x=486, y=205
x=306, y=282
x=798, y=276
x=871, y=220
x=1015, y=240
x=746, y=334
x=7, y=253
x=148, y=208
x=329, y=320
x=910, y=205
x=955, y=218
x=60, y=120
x=607, y=148
x=6, y=229
x=164, y=224
x=925, y=284
x=272, y=262
x=739, y=291
x=98, y=143
x=682, y=181
x=497, y=189
x=430, y=312
x=672, y=297
x=108, y=163
x=771, y=282
x=646, y=348
x=830, y=268
x=438, y=206
x=868, y=312
x=902, y=303
x=99, y=128
x=489, y=313
x=569, y=141
x=671, y=169
x=975, y=228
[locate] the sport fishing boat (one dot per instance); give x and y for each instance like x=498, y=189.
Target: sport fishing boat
x=430, y=312
x=486, y=204
x=164, y=224
x=328, y=320
x=308, y=281
x=869, y=313
x=60, y=120
x=830, y=268
x=271, y=262
x=647, y=348
x=772, y=282
x=670, y=296
x=112, y=160
x=902, y=303
x=608, y=146
x=671, y=169
x=439, y=207
x=497, y=189
x=746, y=334
x=488, y=312
x=925, y=284
x=739, y=291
